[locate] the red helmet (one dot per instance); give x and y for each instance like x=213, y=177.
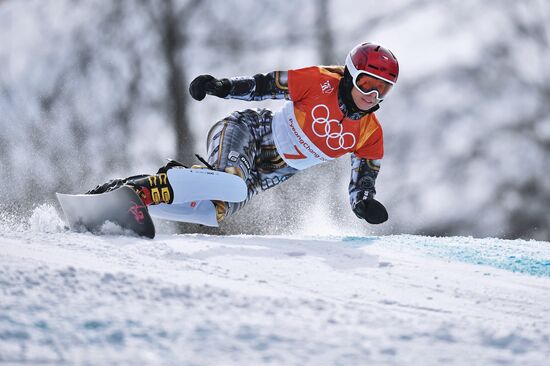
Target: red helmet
x=372, y=60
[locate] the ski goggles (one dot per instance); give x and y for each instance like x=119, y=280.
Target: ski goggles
x=367, y=82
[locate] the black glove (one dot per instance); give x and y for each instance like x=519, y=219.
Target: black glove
x=371, y=210
x=207, y=84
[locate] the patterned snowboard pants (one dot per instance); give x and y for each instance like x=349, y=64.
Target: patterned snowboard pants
x=242, y=144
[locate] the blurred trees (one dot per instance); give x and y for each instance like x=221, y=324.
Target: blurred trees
x=521, y=55
x=172, y=20
x=472, y=147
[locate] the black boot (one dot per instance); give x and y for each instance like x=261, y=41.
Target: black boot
x=107, y=187
x=152, y=189
x=114, y=184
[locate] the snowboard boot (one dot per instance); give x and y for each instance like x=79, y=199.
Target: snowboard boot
x=152, y=189
x=107, y=187
x=155, y=189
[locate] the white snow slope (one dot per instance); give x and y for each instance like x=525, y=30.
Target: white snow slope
x=76, y=298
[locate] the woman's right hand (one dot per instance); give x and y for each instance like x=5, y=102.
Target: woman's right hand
x=371, y=210
x=207, y=84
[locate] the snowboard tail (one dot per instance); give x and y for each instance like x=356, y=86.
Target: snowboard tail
x=121, y=206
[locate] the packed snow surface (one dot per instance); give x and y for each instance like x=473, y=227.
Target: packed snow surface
x=78, y=298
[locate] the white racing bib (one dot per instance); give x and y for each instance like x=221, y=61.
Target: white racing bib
x=293, y=145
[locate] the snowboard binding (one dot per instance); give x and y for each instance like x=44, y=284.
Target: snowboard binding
x=152, y=189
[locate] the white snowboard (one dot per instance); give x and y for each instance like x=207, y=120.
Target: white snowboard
x=194, y=190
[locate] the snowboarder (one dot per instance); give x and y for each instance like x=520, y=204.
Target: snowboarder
x=329, y=112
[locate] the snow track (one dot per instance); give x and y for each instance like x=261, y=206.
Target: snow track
x=69, y=298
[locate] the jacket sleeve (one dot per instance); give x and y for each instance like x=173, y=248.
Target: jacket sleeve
x=273, y=85
x=363, y=178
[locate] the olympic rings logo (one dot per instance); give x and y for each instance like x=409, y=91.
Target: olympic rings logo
x=331, y=129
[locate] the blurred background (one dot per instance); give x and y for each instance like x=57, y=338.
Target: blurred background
x=96, y=89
